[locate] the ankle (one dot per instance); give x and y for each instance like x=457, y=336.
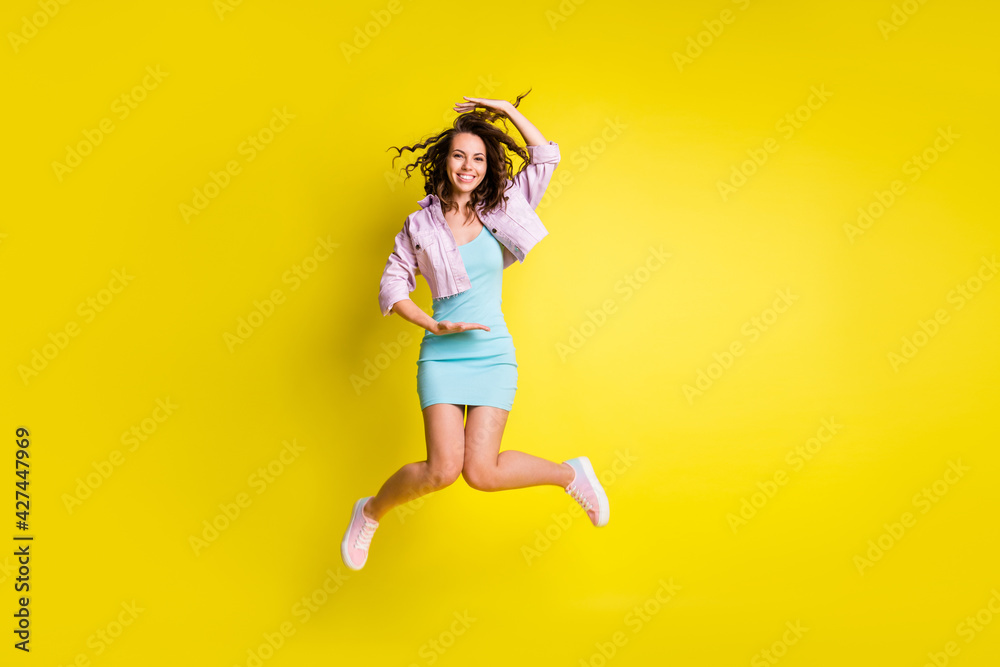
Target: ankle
x=367, y=511
x=572, y=474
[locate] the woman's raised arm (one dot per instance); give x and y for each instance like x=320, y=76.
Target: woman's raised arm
x=532, y=136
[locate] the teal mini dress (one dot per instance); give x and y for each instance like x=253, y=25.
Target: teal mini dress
x=474, y=367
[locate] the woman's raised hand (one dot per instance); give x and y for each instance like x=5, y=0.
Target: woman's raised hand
x=498, y=106
x=446, y=327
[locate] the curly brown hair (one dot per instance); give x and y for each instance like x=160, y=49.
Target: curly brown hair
x=499, y=168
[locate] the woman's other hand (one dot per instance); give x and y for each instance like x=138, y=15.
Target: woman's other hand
x=446, y=327
x=498, y=106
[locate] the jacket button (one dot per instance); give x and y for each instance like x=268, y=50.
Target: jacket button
x=418, y=246
x=494, y=230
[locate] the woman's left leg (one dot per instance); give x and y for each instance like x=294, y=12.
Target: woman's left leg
x=486, y=468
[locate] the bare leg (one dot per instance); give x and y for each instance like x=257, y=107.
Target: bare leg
x=488, y=469
x=445, y=438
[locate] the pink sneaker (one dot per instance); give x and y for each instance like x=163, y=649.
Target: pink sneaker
x=358, y=537
x=587, y=490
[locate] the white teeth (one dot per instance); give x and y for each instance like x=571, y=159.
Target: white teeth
x=465, y=178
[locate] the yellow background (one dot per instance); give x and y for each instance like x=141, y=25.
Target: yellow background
x=652, y=182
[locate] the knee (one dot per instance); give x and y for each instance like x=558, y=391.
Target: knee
x=480, y=477
x=444, y=474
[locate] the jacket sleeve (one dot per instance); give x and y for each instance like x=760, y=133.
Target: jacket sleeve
x=534, y=178
x=399, y=278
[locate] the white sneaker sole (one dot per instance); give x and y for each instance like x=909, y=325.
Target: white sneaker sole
x=344, y=550
x=604, y=511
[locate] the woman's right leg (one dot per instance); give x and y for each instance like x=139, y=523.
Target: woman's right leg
x=444, y=432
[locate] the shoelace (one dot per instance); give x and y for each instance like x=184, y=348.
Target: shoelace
x=365, y=536
x=579, y=497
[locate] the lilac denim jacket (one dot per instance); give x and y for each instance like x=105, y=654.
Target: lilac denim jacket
x=426, y=246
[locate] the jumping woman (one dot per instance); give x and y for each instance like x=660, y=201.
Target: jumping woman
x=474, y=222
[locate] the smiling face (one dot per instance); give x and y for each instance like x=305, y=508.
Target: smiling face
x=466, y=162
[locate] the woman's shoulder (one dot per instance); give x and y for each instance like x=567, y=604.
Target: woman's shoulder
x=419, y=218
